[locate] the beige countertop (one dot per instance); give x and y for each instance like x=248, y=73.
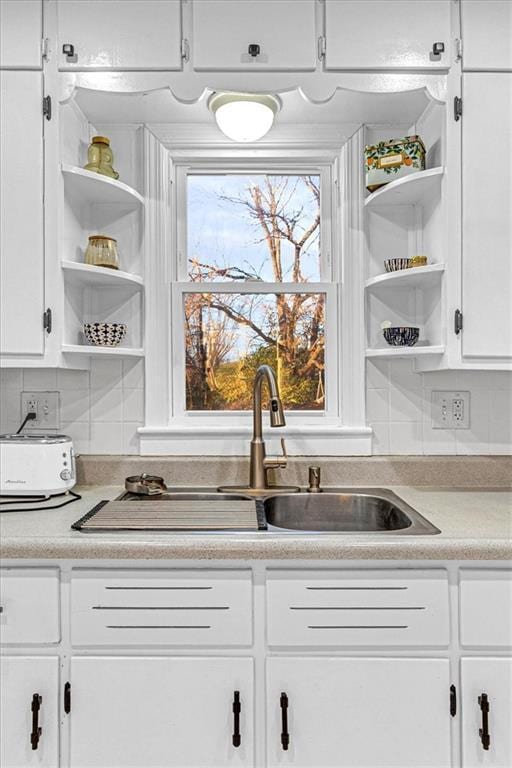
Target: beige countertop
x=475, y=524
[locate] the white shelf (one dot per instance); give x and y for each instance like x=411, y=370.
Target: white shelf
x=83, y=349
x=411, y=190
x=415, y=277
x=406, y=351
x=95, y=188
x=86, y=274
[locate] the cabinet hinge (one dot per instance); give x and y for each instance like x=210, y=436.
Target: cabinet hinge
x=458, y=49
x=185, y=49
x=47, y=107
x=47, y=320
x=457, y=322
x=321, y=47
x=453, y=700
x=457, y=108
x=45, y=49
x=67, y=698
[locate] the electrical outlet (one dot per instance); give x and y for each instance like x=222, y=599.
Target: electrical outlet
x=46, y=406
x=450, y=410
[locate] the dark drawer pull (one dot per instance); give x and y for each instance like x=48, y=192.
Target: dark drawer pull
x=36, y=728
x=237, y=708
x=483, y=732
x=285, y=736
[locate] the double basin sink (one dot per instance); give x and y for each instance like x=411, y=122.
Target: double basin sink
x=333, y=510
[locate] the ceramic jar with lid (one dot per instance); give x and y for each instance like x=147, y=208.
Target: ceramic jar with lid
x=100, y=157
x=101, y=251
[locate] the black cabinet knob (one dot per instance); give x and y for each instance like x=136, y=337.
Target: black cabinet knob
x=253, y=50
x=438, y=49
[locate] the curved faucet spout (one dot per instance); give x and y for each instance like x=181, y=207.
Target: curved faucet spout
x=266, y=373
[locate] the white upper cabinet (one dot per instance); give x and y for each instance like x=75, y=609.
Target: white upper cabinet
x=487, y=34
x=21, y=213
x=397, y=34
x=249, y=35
x=486, y=219
x=120, y=34
x=21, y=32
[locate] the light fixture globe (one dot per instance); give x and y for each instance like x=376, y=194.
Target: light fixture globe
x=244, y=117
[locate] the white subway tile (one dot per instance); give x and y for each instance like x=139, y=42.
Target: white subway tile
x=130, y=437
x=79, y=432
x=75, y=405
x=133, y=374
x=380, y=438
x=11, y=378
x=401, y=373
x=133, y=405
x=106, y=405
x=377, y=374
x=39, y=379
x=72, y=380
x=106, y=437
x=10, y=409
x=405, y=437
x=405, y=404
x=377, y=405
x=106, y=373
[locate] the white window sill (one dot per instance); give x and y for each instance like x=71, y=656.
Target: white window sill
x=228, y=440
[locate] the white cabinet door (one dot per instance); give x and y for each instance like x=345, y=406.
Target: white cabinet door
x=223, y=30
x=491, y=677
x=21, y=33
x=486, y=218
x=155, y=711
x=359, y=712
x=21, y=679
x=21, y=194
x=486, y=34
x=397, y=34
x=120, y=34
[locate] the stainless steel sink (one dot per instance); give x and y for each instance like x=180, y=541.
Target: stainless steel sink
x=376, y=511
x=345, y=510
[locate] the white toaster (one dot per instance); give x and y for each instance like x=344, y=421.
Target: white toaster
x=36, y=465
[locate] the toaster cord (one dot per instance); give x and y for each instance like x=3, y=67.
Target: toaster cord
x=31, y=415
x=75, y=496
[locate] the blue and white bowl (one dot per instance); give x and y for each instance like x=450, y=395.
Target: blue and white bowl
x=401, y=336
x=104, y=334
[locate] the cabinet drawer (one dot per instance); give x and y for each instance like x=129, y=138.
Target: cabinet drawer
x=358, y=608
x=485, y=607
x=29, y=599
x=198, y=608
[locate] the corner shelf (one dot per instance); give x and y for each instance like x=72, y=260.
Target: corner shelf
x=95, y=188
x=89, y=275
x=411, y=190
x=91, y=351
x=415, y=277
x=406, y=351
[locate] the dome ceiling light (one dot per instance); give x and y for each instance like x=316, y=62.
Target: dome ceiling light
x=244, y=117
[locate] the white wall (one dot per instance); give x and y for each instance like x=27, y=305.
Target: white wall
x=102, y=409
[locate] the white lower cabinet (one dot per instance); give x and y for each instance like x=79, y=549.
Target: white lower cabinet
x=358, y=712
x=486, y=712
x=29, y=711
x=151, y=711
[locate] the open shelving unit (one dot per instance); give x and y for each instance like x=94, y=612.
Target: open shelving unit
x=97, y=204
x=405, y=218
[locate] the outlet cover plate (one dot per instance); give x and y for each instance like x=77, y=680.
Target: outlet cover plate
x=450, y=409
x=47, y=407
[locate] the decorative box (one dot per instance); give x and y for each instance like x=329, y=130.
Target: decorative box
x=390, y=160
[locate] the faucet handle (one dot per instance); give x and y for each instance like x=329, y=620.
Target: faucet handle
x=277, y=462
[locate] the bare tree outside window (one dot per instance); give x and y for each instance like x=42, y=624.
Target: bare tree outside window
x=259, y=229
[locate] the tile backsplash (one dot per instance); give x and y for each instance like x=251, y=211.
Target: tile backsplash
x=101, y=409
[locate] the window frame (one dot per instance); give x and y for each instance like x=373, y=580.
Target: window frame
x=328, y=285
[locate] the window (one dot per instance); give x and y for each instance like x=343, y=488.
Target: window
x=254, y=285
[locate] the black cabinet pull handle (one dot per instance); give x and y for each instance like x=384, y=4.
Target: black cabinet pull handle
x=36, y=728
x=237, y=708
x=483, y=732
x=285, y=736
